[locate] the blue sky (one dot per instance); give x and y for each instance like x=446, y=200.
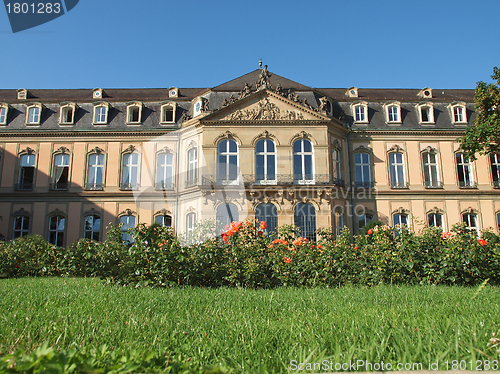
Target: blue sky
x=164, y=43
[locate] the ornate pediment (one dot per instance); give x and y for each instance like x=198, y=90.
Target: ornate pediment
x=267, y=107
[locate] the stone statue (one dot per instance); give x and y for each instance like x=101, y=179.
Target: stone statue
x=263, y=81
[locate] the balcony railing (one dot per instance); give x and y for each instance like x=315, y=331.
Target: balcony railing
x=24, y=186
x=129, y=186
x=398, y=185
x=59, y=186
x=363, y=184
x=162, y=186
x=467, y=184
x=94, y=186
x=191, y=182
x=433, y=184
x=276, y=180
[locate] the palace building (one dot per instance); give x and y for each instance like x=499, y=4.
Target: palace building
x=259, y=146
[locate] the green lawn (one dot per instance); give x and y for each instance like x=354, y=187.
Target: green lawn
x=251, y=329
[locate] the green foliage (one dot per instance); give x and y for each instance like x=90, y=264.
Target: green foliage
x=246, y=256
x=484, y=137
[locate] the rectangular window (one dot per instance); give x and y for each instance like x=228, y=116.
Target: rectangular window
x=362, y=170
x=56, y=230
x=168, y=114
x=127, y=222
x=34, y=115
x=458, y=113
x=164, y=171
x=192, y=166
x=95, y=172
x=431, y=178
x=337, y=167
x=26, y=172
x=396, y=170
x=339, y=223
x=92, y=227
x=130, y=171
x=470, y=220
x=100, y=114
x=464, y=168
x=21, y=226
x=66, y=115
x=495, y=169
x=393, y=113
x=3, y=115
x=164, y=220
x=360, y=113
x=425, y=114
x=134, y=114
x=61, y=172
x=435, y=220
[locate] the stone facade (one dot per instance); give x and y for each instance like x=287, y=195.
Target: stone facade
x=261, y=145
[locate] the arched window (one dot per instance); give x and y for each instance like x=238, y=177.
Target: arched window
x=400, y=219
x=60, y=172
x=56, y=230
x=265, y=162
x=464, y=169
x=95, y=172
x=130, y=171
x=92, y=227
x=339, y=222
x=362, y=170
x=21, y=226
x=164, y=220
x=26, y=172
x=164, y=171
x=227, y=162
x=268, y=214
x=431, y=173
x=397, y=170
x=305, y=220
x=192, y=167
x=303, y=166
x=226, y=213
x=127, y=222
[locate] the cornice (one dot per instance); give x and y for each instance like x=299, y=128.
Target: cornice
x=78, y=134
x=440, y=132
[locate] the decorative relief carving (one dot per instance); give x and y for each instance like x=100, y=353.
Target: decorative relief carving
x=185, y=117
x=227, y=135
x=401, y=210
x=265, y=110
x=362, y=148
x=97, y=150
x=323, y=104
x=127, y=212
x=247, y=90
x=435, y=210
x=429, y=149
x=204, y=105
x=396, y=148
x=470, y=210
x=62, y=150
x=163, y=212
x=165, y=149
x=129, y=149
x=28, y=151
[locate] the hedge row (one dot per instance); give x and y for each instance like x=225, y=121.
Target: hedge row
x=246, y=256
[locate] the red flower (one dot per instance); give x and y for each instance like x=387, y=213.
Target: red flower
x=263, y=225
x=224, y=236
x=318, y=246
x=312, y=246
x=17, y=266
x=370, y=231
x=287, y=260
x=356, y=247
x=259, y=233
x=482, y=242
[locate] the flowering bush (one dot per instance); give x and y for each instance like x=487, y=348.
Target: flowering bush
x=245, y=255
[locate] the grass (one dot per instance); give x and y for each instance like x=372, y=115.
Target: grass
x=248, y=330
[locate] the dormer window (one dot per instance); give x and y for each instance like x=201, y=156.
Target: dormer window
x=101, y=114
x=393, y=112
x=33, y=114
x=425, y=113
x=134, y=113
x=458, y=113
x=4, y=108
x=360, y=112
x=67, y=114
x=168, y=113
